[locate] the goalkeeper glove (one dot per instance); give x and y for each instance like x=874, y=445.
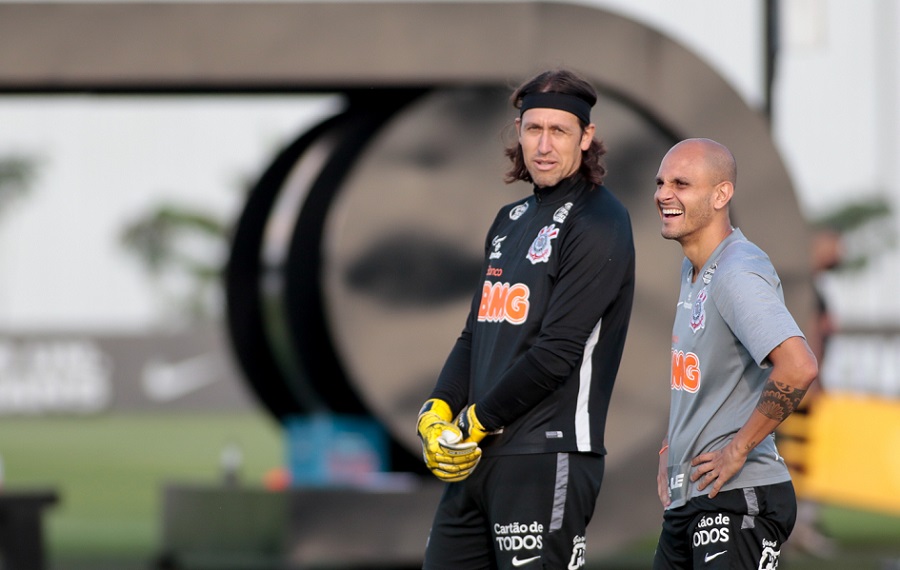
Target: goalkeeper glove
x=446, y=455
x=471, y=428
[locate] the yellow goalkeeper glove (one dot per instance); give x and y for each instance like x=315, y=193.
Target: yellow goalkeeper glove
x=445, y=453
x=469, y=425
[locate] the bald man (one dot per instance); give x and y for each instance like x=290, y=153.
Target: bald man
x=740, y=366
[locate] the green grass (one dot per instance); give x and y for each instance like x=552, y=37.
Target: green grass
x=110, y=470
x=862, y=528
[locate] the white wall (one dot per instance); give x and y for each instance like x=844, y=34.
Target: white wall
x=101, y=163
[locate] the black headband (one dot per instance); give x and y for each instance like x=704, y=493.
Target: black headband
x=575, y=105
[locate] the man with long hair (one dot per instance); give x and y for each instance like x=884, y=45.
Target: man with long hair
x=524, y=393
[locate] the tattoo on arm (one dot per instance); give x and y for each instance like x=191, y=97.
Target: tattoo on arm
x=779, y=400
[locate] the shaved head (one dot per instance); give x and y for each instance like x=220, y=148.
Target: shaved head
x=694, y=187
x=720, y=163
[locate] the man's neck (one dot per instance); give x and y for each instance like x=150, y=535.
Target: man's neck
x=698, y=253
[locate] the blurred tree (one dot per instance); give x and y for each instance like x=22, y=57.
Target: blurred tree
x=867, y=228
x=16, y=173
x=183, y=251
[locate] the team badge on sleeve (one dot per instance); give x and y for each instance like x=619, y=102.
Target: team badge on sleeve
x=698, y=313
x=540, y=249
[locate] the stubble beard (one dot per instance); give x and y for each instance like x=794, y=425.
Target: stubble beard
x=688, y=227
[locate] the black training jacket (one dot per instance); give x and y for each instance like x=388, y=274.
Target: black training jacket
x=542, y=344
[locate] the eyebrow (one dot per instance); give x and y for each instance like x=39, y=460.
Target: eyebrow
x=554, y=125
x=676, y=180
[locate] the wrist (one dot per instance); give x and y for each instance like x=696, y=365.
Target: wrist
x=437, y=407
x=741, y=446
x=470, y=424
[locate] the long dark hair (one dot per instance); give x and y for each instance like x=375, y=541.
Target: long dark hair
x=558, y=81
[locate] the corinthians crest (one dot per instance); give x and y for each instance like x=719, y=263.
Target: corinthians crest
x=540, y=249
x=698, y=312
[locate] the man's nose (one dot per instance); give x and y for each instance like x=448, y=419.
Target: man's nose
x=544, y=143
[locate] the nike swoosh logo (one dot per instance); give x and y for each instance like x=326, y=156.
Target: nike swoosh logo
x=166, y=381
x=709, y=556
x=516, y=562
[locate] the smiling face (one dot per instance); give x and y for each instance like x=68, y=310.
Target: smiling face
x=552, y=142
x=693, y=189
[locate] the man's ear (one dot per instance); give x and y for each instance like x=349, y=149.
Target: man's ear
x=724, y=192
x=587, y=136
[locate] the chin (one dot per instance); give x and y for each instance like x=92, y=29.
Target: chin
x=544, y=181
x=669, y=234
